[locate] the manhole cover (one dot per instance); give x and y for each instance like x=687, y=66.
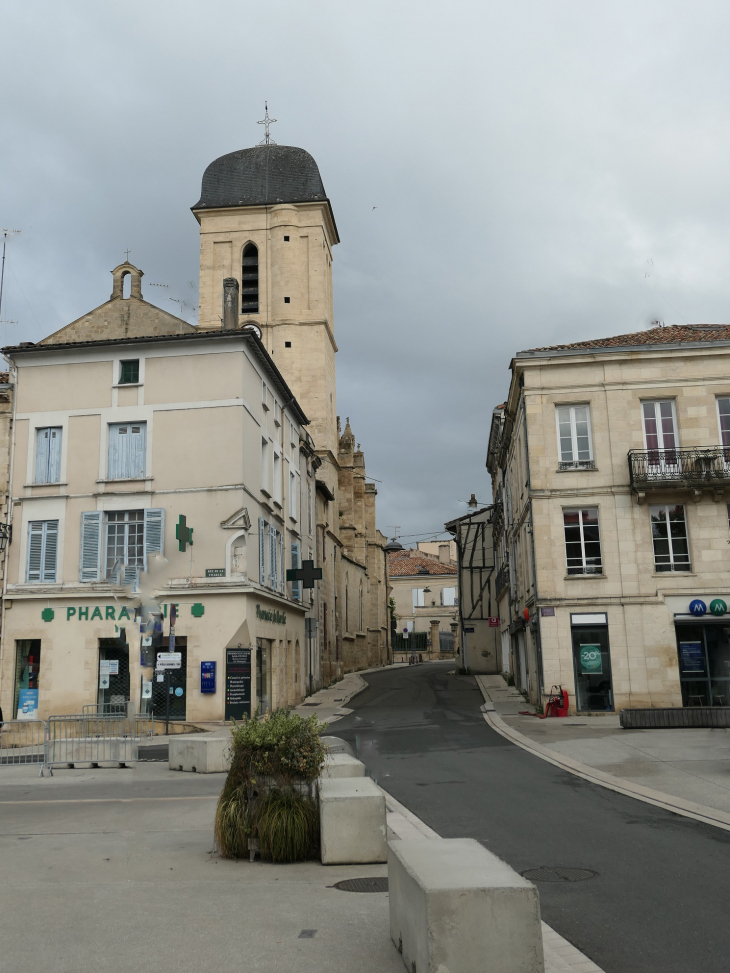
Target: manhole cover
x=557, y=873
x=362, y=885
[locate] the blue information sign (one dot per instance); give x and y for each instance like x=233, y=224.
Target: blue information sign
x=207, y=677
x=693, y=656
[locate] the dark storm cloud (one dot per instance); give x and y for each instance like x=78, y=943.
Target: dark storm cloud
x=542, y=172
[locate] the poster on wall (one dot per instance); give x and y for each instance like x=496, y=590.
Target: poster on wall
x=692, y=656
x=238, y=684
x=591, y=663
x=28, y=704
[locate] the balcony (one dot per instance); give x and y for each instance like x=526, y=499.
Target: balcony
x=502, y=579
x=691, y=469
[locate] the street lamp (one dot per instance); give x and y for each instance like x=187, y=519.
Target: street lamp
x=6, y=535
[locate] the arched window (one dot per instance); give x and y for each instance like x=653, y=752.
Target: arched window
x=126, y=284
x=250, y=280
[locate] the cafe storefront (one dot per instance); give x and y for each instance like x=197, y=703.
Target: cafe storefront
x=61, y=654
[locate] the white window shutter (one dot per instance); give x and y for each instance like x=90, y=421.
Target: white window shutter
x=130, y=576
x=54, y=455
x=154, y=532
x=262, y=550
x=41, y=455
x=90, y=559
x=127, y=450
x=50, y=551
x=296, y=586
x=35, y=550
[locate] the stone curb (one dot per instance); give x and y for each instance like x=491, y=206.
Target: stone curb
x=677, y=805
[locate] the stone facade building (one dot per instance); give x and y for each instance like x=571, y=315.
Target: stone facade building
x=130, y=417
x=610, y=464
x=425, y=590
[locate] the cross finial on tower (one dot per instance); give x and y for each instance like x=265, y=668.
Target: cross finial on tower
x=266, y=121
x=126, y=254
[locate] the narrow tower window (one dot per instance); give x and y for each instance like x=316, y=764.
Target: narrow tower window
x=250, y=280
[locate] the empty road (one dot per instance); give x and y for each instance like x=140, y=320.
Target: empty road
x=659, y=886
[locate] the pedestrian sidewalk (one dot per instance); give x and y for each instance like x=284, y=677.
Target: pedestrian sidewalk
x=684, y=770
x=330, y=704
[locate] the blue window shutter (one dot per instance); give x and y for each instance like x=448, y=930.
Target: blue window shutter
x=282, y=564
x=127, y=450
x=41, y=455
x=296, y=586
x=50, y=550
x=90, y=556
x=154, y=532
x=35, y=550
x=272, y=556
x=130, y=576
x=54, y=455
x=262, y=550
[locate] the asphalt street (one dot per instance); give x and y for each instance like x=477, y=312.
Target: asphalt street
x=658, y=896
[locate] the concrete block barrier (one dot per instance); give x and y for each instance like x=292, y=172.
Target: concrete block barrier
x=200, y=754
x=455, y=906
x=352, y=821
x=342, y=765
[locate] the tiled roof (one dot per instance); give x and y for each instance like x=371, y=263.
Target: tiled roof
x=654, y=336
x=408, y=563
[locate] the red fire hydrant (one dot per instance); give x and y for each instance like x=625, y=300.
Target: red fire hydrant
x=557, y=704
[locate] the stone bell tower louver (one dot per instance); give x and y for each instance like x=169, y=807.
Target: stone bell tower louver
x=265, y=221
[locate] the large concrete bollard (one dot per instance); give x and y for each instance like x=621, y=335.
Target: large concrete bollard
x=352, y=821
x=200, y=754
x=455, y=906
x=342, y=765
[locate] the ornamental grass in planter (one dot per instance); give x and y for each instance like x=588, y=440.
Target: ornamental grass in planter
x=268, y=798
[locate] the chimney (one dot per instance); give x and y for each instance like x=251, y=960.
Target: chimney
x=472, y=504
x=230, y=304
x=445, y=553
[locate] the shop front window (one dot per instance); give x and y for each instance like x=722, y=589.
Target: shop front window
x=27, y=671
x=704, y=664
x=592, y=663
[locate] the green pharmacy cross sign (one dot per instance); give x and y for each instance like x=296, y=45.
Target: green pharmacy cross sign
x=307, y=574
x=183, y=533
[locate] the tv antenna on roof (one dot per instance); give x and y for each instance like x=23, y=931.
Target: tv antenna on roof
x=266, y=122
x=6, y=234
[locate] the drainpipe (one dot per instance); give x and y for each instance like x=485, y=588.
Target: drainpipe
x=6, y=553
x=540, y=675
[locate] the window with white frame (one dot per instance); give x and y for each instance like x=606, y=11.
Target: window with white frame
x=273, y=557
x=448, y=596
x=277, y=486
x=418, y=597
x=48, y=455
x=574, y=437
x=265, y=466
x=292, y=494
x=669, y=535
x=127, y=450
x=309, y=506
x=116, y=544
x=42, y=551
x=723, y=413
x=660, y=426
x=582, y=541
x=263, y=529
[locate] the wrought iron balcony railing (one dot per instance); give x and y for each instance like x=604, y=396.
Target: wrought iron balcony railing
x=695, y=467
x=502, y=579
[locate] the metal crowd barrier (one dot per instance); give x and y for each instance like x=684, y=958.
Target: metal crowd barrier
x=85, y=738
x=23, y=742
x=105, y=709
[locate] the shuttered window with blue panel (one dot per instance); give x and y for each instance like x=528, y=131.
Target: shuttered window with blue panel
x=42, y=551
x=48, y=455
x=127, y=450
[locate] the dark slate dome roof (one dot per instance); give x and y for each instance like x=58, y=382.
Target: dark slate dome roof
x=263, y=175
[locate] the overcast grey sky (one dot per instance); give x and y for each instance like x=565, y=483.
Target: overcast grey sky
x=543, y=172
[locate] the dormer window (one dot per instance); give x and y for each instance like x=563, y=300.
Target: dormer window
x=250, y=280
x=129, y=372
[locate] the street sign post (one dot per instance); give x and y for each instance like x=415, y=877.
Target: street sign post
x=169, y=660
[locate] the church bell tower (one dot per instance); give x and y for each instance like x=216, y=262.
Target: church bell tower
x=266, y=222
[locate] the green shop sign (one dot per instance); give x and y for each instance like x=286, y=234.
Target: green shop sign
x=271, y=616
x=718, y=607
x=590, y=660
x=111, y=613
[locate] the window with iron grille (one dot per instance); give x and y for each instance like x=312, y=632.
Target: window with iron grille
x=582, y=541
x=574, y=437
x=669, y=534
x=48, y=454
